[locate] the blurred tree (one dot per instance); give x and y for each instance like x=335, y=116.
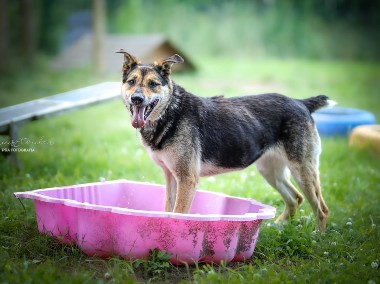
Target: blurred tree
x=28, y=30
x=98, y=24
x=51, y=25
x=4, y=34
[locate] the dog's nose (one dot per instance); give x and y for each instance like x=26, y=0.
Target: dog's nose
x=137, y=99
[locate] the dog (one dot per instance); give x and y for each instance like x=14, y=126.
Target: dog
x=190, y=136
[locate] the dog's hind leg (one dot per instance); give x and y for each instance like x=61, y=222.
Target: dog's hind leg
x=273, y=167
x=305, y=170
x=307, y=178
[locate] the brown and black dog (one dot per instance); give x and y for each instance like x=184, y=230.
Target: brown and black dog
x=190, y=136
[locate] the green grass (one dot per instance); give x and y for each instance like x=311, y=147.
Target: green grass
x=100, y=142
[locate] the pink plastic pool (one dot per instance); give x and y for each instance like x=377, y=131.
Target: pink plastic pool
x=127, y=219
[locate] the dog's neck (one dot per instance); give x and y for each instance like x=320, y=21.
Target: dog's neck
x=153, y=133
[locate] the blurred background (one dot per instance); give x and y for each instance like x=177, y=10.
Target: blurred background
x=313, y=29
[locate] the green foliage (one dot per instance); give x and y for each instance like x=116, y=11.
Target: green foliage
x=344, y=29
x=156, y=267
x=48, y=21
x=308, y=29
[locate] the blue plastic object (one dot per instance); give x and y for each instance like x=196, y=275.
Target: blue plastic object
x=339, y=121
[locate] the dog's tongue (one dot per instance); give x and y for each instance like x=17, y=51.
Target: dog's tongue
x=138, y=117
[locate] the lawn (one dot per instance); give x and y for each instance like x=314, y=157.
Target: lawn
x=99, y=142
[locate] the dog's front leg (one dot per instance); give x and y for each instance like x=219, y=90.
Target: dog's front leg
x=171, y=190
x=186, y=187
x=186, y=172
x=182, y=162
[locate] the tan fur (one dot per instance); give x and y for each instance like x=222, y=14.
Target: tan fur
x=181, y=175
x=161, y=92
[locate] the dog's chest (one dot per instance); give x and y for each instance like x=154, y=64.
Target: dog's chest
x=161, y=158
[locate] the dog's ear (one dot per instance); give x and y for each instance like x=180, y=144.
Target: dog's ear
x=130, y=61
x=165, y=65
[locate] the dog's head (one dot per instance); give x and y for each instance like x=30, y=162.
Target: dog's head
x=146, y=88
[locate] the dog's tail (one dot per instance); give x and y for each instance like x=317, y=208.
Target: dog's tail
x=318, y=102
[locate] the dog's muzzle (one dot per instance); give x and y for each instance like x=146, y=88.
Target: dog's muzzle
x=140, y=110
x=137, y=99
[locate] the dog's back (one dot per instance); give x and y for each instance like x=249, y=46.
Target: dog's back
x=235, y=132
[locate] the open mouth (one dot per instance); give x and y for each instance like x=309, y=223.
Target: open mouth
x=141, y=113
x=149, y=108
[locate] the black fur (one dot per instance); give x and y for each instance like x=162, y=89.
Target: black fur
x=235, y=132
x=163, y=130
x=315, y=103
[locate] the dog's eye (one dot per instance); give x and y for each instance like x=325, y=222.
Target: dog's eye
x=153, y=84
x=131, y=82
